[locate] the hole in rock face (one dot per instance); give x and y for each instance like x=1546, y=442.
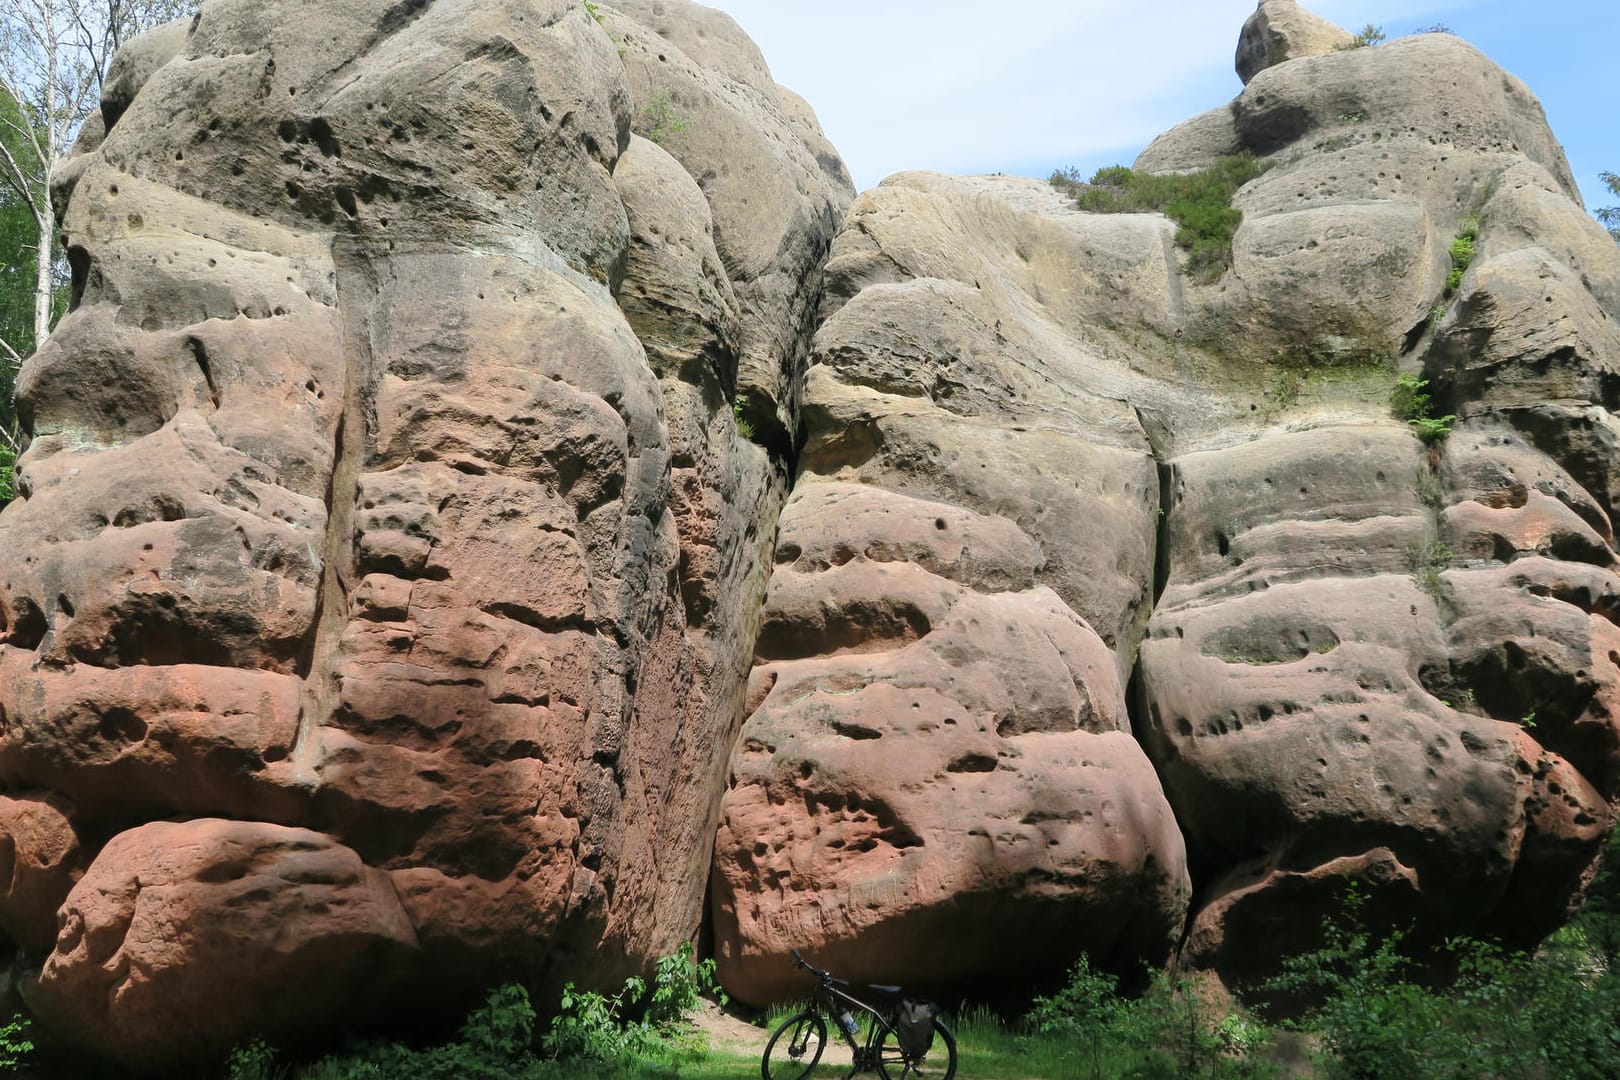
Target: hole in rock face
x=972, y=763
x=27, y=625
x=121, y=725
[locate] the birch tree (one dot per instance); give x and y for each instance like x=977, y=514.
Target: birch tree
x=54, y=55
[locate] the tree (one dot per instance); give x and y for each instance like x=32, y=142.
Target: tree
x=1610, y=215
x=53, y=57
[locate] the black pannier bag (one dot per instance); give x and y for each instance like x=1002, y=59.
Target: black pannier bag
x=914, y=1026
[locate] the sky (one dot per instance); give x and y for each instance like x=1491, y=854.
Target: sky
x=1027, y=87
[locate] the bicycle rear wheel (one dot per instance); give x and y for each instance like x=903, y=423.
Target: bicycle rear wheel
x=795, y=1047
x=939, y=1063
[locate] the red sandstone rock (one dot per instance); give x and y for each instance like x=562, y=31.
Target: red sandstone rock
x=183, y=934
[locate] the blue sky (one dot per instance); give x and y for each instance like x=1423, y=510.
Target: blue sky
x=1024, y=87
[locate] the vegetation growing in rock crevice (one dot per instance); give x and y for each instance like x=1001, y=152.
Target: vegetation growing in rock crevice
x=1200, y=203
x=660, y=120
x=1411, y=401
x=1462, y=254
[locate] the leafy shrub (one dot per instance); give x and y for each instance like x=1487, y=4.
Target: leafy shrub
x=1172, y=1031
x=660, y=120
x=1462, y=254
x=1610, y=215
x=15, y=1045
x=1410, y=399
x=1369, y=35
x=678, y=982
x=1433, y=430
x=1200, y=203
x=8, y=463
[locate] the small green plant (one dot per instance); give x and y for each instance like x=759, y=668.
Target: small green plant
x=1610, y=215
x=1433, y=430
x=1200, y=203
x=1429, y=563
x=593, y=11
x=660, y=120
x=1369, y=35
x=15, y=1045
x=678, y=982
x=1528, y=720
x=8, y=464
x=1462, y=254
x=1352, y=118
x=1411, y=401
x=744, y=427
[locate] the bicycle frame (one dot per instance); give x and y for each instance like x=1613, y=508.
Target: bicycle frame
x=831, y=1001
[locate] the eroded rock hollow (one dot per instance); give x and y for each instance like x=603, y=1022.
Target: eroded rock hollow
x=494, y=491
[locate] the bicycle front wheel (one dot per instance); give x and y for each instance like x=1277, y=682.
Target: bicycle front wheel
x=795, y=1047
x=939, y=1063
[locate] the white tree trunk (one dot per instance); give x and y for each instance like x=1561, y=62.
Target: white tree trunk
x=42, y=280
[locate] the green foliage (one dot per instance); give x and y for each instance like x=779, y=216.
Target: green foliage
x=15, y=1045
x=255, y=1060
x=744, y=427
x=1200, y=203
x=1173, y=1030
x=593, y=11
x=1369, y=35
x=1411, y=401
x=1462, y=254
x=1598, y=924
x=8, y=463
x=1610, y=215
x=1549, y=1015
x=1429, y=563
x=660, y=121
x=678, y=982
x=1433, y=430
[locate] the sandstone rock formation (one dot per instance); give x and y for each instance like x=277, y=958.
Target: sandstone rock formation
x=1364, y=658
x=485, y=474
x=386, y=523
x=1281, y=30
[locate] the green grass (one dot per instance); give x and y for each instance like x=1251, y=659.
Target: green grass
x=1200, y=203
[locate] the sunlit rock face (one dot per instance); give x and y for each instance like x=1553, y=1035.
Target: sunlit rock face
x=1044, y=462
x=378, y=609
x=494, y=490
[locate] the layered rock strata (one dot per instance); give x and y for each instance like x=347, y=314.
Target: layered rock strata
x=1365, y=659
x=389, y=558
x=406, y=587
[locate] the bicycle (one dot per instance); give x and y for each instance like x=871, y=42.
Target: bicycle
x=796, y=1047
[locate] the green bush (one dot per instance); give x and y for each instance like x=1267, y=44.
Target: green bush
x=8, y=464
x=1411, y=401
x=15, y=1045
x=1462, y=254
x=1551, y=1014
x=1433, y=430
x=1171, y=1031
x=1200, y=203
x=1610, y=215
x=1369, y=35
x=660, y=120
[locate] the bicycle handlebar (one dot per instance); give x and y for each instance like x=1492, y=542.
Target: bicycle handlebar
x=824, y=976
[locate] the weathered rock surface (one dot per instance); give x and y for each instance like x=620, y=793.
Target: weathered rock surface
x=1364, y=659
x=391, y=605
x=1281, y=30
x=386, y=518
